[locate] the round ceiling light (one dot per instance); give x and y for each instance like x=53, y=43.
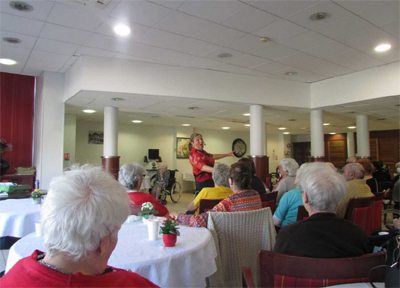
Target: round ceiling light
x=186, y=125
x=383, y=47
x=282, y=128
x=225, y=128
x=264, y=39
x=89, y=111
x=6, y=61
x=351, y=127
x=291, y=73
x=21, y=6
x=137, y=121
x=122, y=30
x=319, y=16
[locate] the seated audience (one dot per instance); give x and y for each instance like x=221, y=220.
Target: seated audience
x=368, y=171
x=287, y=171
x=286, y=212
x=131, y=176
x=397, y=173
x=242, y=199
x=382, y=175
x=396, y=198
x=256, y=183
x=322, y=235
x=356, y=186
x=161, y=181
x=221, y=190
x=81, y=216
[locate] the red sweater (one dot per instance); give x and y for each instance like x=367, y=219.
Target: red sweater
x=30, y=273
x=138, y=198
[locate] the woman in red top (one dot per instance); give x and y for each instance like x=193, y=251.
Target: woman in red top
x=202, y=162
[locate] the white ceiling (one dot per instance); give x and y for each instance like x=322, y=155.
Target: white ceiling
x=192, y=33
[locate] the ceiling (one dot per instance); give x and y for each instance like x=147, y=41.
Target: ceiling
x=195, y=33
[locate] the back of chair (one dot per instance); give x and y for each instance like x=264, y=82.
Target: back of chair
x=239, y=236
x=377, y=208
x=360, y=211
x=302, y=213
x=280, y=270
x=269, y=200
x=207, y=204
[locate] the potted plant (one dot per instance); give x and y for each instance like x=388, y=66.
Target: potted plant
x=37, y=196
x=169, y=230
x=147, y=210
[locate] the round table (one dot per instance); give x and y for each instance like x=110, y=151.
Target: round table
x=18, y=217
x=185, y=265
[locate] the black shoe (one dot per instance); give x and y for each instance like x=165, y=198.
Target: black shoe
x=164, y=202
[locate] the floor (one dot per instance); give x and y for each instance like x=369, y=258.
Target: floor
x=174, y=209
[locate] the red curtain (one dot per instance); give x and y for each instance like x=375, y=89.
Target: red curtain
x=16, y=118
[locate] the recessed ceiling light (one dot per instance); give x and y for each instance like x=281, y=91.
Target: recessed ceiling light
x=286, y=133
x=6, y=61
x=225, y=128
x=117, y=99
x=21, y=6
x=326, y=124
x=383, y=47
x=282, y=128
x=122, y=30
x=319, y=16
x=247, y=125
x=351, y=127
x=224, y=55
x=193, y=108
x=333, y=133
x=12, y=40
x=137, y=121
x=186, y=125
x=89, y=111
x=291, y=73
x=264, y=39
x=246, y=114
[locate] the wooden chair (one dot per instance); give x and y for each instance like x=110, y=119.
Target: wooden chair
x=207, y=204
x=302, y=213
x=360, y=211
x=280, y=270
x=269, y=200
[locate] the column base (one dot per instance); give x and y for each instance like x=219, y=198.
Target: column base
x=110, y=164
x=317, y=159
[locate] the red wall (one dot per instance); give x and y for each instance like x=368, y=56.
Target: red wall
x=16, y=118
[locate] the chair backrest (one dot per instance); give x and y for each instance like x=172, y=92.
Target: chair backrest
x=207, y=204
x=280, y=270
x=377, y=209
x=360, y=211
x=239, y=236
x=302, y=213
x=269, y=200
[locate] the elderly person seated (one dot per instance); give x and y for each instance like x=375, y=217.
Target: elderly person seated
x=286, y=212
x=242, y=199
x=356, y=186
x=322, y=235
x=368, y=177
x=131, y=176
x=81, y=217
x=161, y=181
x=256, y=183
x=221, y=190
x=287, y=171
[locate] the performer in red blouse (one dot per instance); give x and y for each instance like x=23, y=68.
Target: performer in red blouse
x=202, y=162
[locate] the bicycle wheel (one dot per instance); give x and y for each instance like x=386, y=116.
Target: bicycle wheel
x=176, y=192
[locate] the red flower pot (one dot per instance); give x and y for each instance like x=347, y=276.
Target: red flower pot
x=169, y=240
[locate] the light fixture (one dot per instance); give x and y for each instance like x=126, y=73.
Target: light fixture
x=137, y=121
x=247, y=125
x=89, y=111
x=193, y=108
x=12, y=40
x=282, y=128
x=319, y=16
x=122, y=30
x=383, y=47
x=21, y=6
x=333, y=133
x=351, y=127
x=117, y=99
x=225, y=128
x=185, y=125
x=6, y=61
x=264, y=39
x=246, y=114
x=326, y=124
x=291, y=73
x=224, y=55
x=286, y=133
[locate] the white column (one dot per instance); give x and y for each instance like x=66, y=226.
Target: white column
x=362, y=136
x=257, y=130
x=350, y=145
x=110, y=131
x=317, y=134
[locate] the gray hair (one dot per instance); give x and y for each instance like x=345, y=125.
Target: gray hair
x=130, y=175
x=355, y=170
x=323, y=185
x=220, y=174
x=81, y=207
x=289, y=165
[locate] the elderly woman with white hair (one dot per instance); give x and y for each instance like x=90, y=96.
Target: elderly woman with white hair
x=322, y=235
x=131, y=176
x=287, y=170
x=81, y=216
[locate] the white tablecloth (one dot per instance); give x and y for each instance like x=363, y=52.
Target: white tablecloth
x=185, y=265
x=18, y=217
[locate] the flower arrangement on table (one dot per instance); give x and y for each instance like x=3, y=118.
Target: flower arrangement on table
x=147, y=210
x=37, y=195
x=170, y=230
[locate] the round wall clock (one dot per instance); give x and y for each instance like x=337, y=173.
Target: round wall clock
x=239, y=147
